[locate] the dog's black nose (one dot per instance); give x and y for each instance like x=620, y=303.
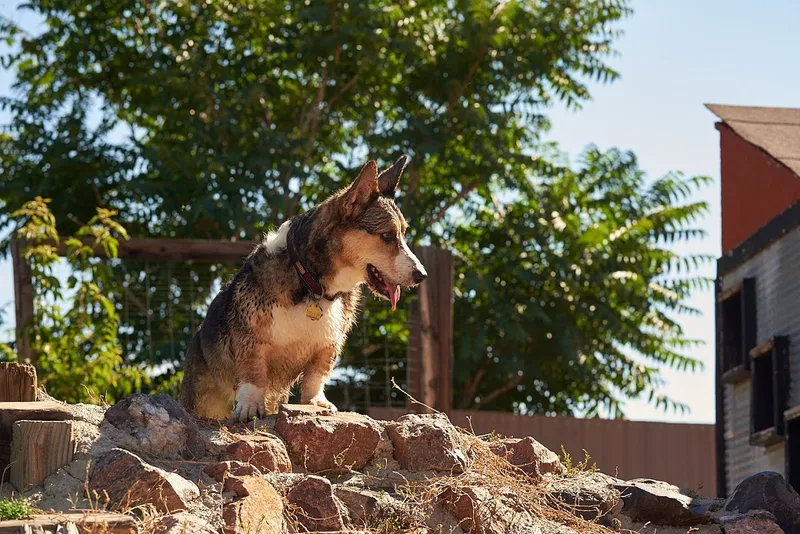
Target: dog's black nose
x=419, y=275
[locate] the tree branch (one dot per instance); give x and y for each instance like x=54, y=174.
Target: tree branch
x=501, y=390
x=466, y=190
x=469, y=392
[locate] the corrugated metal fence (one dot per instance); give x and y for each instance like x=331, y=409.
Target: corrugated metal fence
x=682, y=454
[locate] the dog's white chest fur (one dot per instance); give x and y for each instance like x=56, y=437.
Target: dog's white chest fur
x=292, y=326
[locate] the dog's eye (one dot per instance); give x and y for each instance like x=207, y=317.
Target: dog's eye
x=389, y=237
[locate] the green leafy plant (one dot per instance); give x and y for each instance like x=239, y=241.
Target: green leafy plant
x=11, y=509
x=73, y=333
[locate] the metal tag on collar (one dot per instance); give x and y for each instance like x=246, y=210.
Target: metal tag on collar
x=314, y=312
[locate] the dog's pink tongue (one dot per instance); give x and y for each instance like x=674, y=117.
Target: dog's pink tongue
x=394, y=296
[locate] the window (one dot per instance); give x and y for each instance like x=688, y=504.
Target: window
x=769, y=385
x=738, y=330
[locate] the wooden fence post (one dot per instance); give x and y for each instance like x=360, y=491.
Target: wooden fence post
x=430, y=348
x=23, y=301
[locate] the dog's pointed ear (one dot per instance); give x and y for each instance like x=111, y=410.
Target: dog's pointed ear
x=388, y=179
x=362, y=190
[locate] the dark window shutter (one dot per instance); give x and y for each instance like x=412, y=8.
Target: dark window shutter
x=780, y=380
x=749, y=322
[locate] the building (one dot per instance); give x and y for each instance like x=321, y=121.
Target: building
x=758, y=295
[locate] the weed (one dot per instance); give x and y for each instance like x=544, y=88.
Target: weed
x=15, y=509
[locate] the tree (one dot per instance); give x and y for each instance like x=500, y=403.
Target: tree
x=218, y=119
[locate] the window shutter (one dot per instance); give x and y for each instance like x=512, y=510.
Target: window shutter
x=749, y=322
x=780, y=380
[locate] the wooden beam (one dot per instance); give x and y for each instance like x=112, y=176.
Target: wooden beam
x=107, y=523
x=158, y=249
x=11, y=412
x=431, y=339
x=23, y=301
x=17, y=382
x=39, y=449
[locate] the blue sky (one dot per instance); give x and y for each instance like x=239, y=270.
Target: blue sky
x=675, y=56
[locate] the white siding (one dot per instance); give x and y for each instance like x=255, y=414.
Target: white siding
x=777, y=273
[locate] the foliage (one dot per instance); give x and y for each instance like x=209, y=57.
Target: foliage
x=12, y=509
x=74, y=329
x=219, y=119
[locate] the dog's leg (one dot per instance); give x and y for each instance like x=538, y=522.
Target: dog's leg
x=253, y=382
x=315, y=375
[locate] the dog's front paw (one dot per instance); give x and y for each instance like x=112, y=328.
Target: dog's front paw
x=249, y=403
x=322, y=402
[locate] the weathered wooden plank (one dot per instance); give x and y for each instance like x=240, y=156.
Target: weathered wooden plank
x=17, y=382
x=39, y=449
x=105, y=523
x=23, y=301
x=201, y=250
x=762, y=349
x=11, y=412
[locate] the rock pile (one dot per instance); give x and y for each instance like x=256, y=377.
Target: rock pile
x=309, y=470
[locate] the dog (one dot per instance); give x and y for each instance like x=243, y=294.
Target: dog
x=285, y=315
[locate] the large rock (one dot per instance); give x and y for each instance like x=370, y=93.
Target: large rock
x=129, y=481
x=314, y=505
x=427, y=443
x=527, y=454
x=767, y=491
x=254, y=507
x=181, y=523
x=319, y=443
x=374, y=509
x=267, y=453
x=761, y=522
x=158, y=425
x=660, y=503
x=477, y=511
x=221, y=470
x=592, y=497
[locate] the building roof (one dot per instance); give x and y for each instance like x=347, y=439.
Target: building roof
x=774, y=130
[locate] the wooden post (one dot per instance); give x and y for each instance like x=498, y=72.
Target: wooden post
x=17, y=382
x=430, y=351
x=23, y=301
x=39, y=449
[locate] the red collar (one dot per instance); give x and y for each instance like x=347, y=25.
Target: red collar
x=313, y=285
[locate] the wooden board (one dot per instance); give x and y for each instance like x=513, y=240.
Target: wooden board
x=39, y=449
x=23, y=300
x=95, y=523
x=11, y=412
x=17, y=382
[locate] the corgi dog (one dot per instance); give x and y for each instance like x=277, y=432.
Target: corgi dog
x=285, y=315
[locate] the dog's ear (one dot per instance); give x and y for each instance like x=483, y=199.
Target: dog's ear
x=362, y=190
x=388, y=179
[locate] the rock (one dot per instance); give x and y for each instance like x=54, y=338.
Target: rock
x=129, y=481
x=372, y=509
x=324, y=442
x=158, y=425
x=314, y=505
x=295, y=410
x=181, y=523
x=660, y=503
x=528, y=454
x=266, y=452
x=219, y=471
x=477, y=511
x=426, y=443
x=255, y=506
x=767, y=491
x=591, y=497
x=760, y=521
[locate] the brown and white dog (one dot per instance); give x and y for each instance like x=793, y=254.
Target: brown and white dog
x=287, y=312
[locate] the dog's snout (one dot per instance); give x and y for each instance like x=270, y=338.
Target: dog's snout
x=419, y=274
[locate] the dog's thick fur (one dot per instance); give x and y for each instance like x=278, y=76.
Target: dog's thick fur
x=256, y=340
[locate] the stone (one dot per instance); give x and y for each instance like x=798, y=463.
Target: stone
x=181, y=523
x=427, y=442
x=266, y=452
x=294, y=410
x=326, y=442
x=372, y=509
x=592, y=496
x=528, y=454
x=158, y=426
x=659, y=503
x=767, y=491
x=129, y=481
x=760, y=521
x=314, y=506
x=220, y=470
x=477, y=511
x=254, y=507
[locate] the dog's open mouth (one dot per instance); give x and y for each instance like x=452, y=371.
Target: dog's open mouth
x=378, y=284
